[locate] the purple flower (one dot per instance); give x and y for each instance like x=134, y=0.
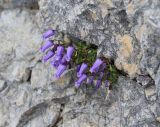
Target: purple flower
x=78, y=67
x=80, y=80
x=98, y=84
x=90, y=80
x=60, y=50
x=107, y=84
x=61, y=68
x=82, y=69
x=102, y=67
x=63, y=60
x=100, y=75
x=69, y=54
x=55, y=63
x=48, y=56
x=48, y=34
x=96, y=65
x=47, y=45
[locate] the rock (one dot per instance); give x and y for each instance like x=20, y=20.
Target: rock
x=22, y=106
x=43, y=76
x=17, y=71
x=22, y=37
x=8, y=4
x=158, y=119
x=125, y=29
x=150, y=91
x=144, y=80
x=40, y=76
x=2, y=85
x=127, y=107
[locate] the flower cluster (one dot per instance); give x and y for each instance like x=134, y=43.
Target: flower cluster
x=62, y=56
x=57, y=54
x=97, y=69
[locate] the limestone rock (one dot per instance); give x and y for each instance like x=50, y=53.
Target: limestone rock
x=8, y=4
x=20, y=41
x=125, y=29
x=2, y=85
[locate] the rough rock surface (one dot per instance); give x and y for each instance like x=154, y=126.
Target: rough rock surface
x=125, y=31
x=8, y=4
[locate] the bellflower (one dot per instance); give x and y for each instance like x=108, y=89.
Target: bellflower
x=61, y=68
x=78, y=67
x=100, y=75
x=48, y=34
x=90, y=80
x=98, y=84
x=82, y=69
x=96, y=65
x=55, y=63
x=60, y=50
x=47, y=45
x=80, y=80
x=48, y=56
x=63, y=60
x=102, y=67
x=69, y=54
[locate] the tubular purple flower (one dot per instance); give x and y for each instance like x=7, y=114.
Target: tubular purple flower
x=102, y=67
x=48, y=56
x=96, y=70
x=78, y=67
x=90, y=80
x=107, y=84
x=60, y=50
x=55, y=63
x=96, y=64
x=80, y=80
x=69, y=54
x=98, y=84
x=47, y=45
x=61, y=68
x=48, y=34
x=100, y=75
x=63, y=60
x=82, y=69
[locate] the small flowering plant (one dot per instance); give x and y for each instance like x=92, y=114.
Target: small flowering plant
x=89, y=69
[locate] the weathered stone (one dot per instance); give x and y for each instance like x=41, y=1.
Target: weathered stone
x=144, y=80
x=20, y=34
x=17, y=71
x=40, y=75
x=2, y=85
x=8, y=4
x=125, y=29
x=150, y=93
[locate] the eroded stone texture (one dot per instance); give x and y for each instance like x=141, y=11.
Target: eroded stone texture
x=20, y=41
x=130, y=105
x=8, y=4
x=127, y=31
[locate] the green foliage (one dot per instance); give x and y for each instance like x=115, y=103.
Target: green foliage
x=84, y=53
x=88, y=53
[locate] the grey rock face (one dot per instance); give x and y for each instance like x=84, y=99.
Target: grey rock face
x=126, y=31
x=8, y=4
